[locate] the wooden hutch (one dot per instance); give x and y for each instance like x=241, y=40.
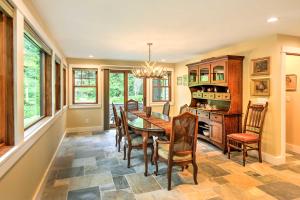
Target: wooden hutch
x=216, y=86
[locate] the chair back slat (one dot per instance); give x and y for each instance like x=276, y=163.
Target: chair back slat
x=254, y=119
x=132, y=105
x=125, y=125
x=116, y=118
x=166, y=109
x=183, y=138
x=184, y=108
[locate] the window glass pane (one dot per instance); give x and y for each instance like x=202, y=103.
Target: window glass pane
x=77, y=82
x=161, y=94
x=85, y=82
x=92, y=82
x=77, y=74
x=85, y=94
x=136, y=89
x=32, y=82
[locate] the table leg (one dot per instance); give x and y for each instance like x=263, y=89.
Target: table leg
x=145, y=142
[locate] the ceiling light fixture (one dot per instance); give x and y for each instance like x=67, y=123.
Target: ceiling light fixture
x=272, y=19
x=150, y=70
x=91, y=56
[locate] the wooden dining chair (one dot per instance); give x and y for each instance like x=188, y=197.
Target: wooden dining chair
x=180, y=150
x=252, y=131
x=132, y=105
x=133, y=140
x=119, y=134
x=184, y=108
x=166, y=109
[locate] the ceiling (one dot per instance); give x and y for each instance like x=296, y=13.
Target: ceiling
x=179, y=29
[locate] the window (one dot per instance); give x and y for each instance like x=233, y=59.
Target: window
x=33, y=81
x=6, y=76
x=161, y=89
x=85, y=86
x=37, y=78
x=65, y=86
x=57, y=86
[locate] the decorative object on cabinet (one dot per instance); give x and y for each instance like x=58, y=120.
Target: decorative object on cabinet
x=179, y=80
x=250, y=138
x=216, y=85
x=261, y=66
x=260, y=87
x=291, y=82
x=185, y=80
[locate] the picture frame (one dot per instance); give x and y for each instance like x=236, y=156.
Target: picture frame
x=179, y=80
x=185, y=80
x=260, y=87
x=261, y=66
x=291, y=82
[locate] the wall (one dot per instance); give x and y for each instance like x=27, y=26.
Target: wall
x=292, y=103
x=91, y=117
x=22, y=168
x=256, y=48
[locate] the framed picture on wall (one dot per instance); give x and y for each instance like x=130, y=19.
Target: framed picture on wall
x=179, y=80
x=291, y=82
x=261, y=66
x=260, y=87
x=185, y=80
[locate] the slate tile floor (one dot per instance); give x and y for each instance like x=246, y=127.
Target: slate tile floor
x=88, y=167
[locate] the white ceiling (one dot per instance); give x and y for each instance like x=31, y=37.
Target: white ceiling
x=179, y=29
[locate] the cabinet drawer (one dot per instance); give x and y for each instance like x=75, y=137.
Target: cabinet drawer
x=226, y=96
x=218, y=96
x=202, y=114
x=200, y=94
x=216, y=117
x=211, y=95
x=205, y=95
x=195, y=94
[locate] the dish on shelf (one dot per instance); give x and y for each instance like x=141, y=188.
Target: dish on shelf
x=206, y=133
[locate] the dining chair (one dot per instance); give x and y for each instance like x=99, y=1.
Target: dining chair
x=133, y=140
x=251, y=133
x=132, y=105
x=119, y=134
x=166, y=109
x=184, y=108
x=180, y=150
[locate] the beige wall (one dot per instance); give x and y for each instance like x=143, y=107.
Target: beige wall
x=292, y=103
x=256, y=48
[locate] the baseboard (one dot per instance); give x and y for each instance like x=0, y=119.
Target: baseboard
x=293, y=148
x=84, y=129
x=274, y=160
x=40, y=188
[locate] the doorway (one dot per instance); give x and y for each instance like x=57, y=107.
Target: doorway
x=122, y=87
x=292, y=70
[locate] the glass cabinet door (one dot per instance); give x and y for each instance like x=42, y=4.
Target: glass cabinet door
x=219, y=72
x=193, y=75
x=204, y=74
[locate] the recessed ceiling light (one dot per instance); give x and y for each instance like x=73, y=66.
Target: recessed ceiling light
x=163, y=60
x=91, y=56
x=272, y=19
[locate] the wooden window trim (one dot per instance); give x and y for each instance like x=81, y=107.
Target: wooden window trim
x=7, y=81
x=74, y=86
x=65, y=86
x=160, y=86
x=57, y=86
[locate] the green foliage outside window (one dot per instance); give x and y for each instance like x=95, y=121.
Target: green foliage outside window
x=32, y=82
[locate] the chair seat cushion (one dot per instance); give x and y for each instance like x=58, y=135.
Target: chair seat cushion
x=163, y=151
x=137, y=140
x=243, y=137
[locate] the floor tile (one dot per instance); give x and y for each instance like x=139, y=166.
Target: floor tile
x=92, y=193
x=281, y=190
x=140, y=184
x=117, y=195
x=70, y=172
x=120, y=182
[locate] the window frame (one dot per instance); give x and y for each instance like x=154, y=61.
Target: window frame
x=73, y=86
x=7, y=80
x=57, y=86
x=42, y=83
x=64, y=86
x=160, y=86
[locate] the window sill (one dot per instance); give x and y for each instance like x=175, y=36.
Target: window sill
x=84, y=106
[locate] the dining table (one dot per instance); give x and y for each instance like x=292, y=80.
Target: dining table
x=155, y=125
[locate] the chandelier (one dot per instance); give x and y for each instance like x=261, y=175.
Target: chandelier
x=150, y=70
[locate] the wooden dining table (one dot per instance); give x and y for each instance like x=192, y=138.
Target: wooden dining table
x=155, y=125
